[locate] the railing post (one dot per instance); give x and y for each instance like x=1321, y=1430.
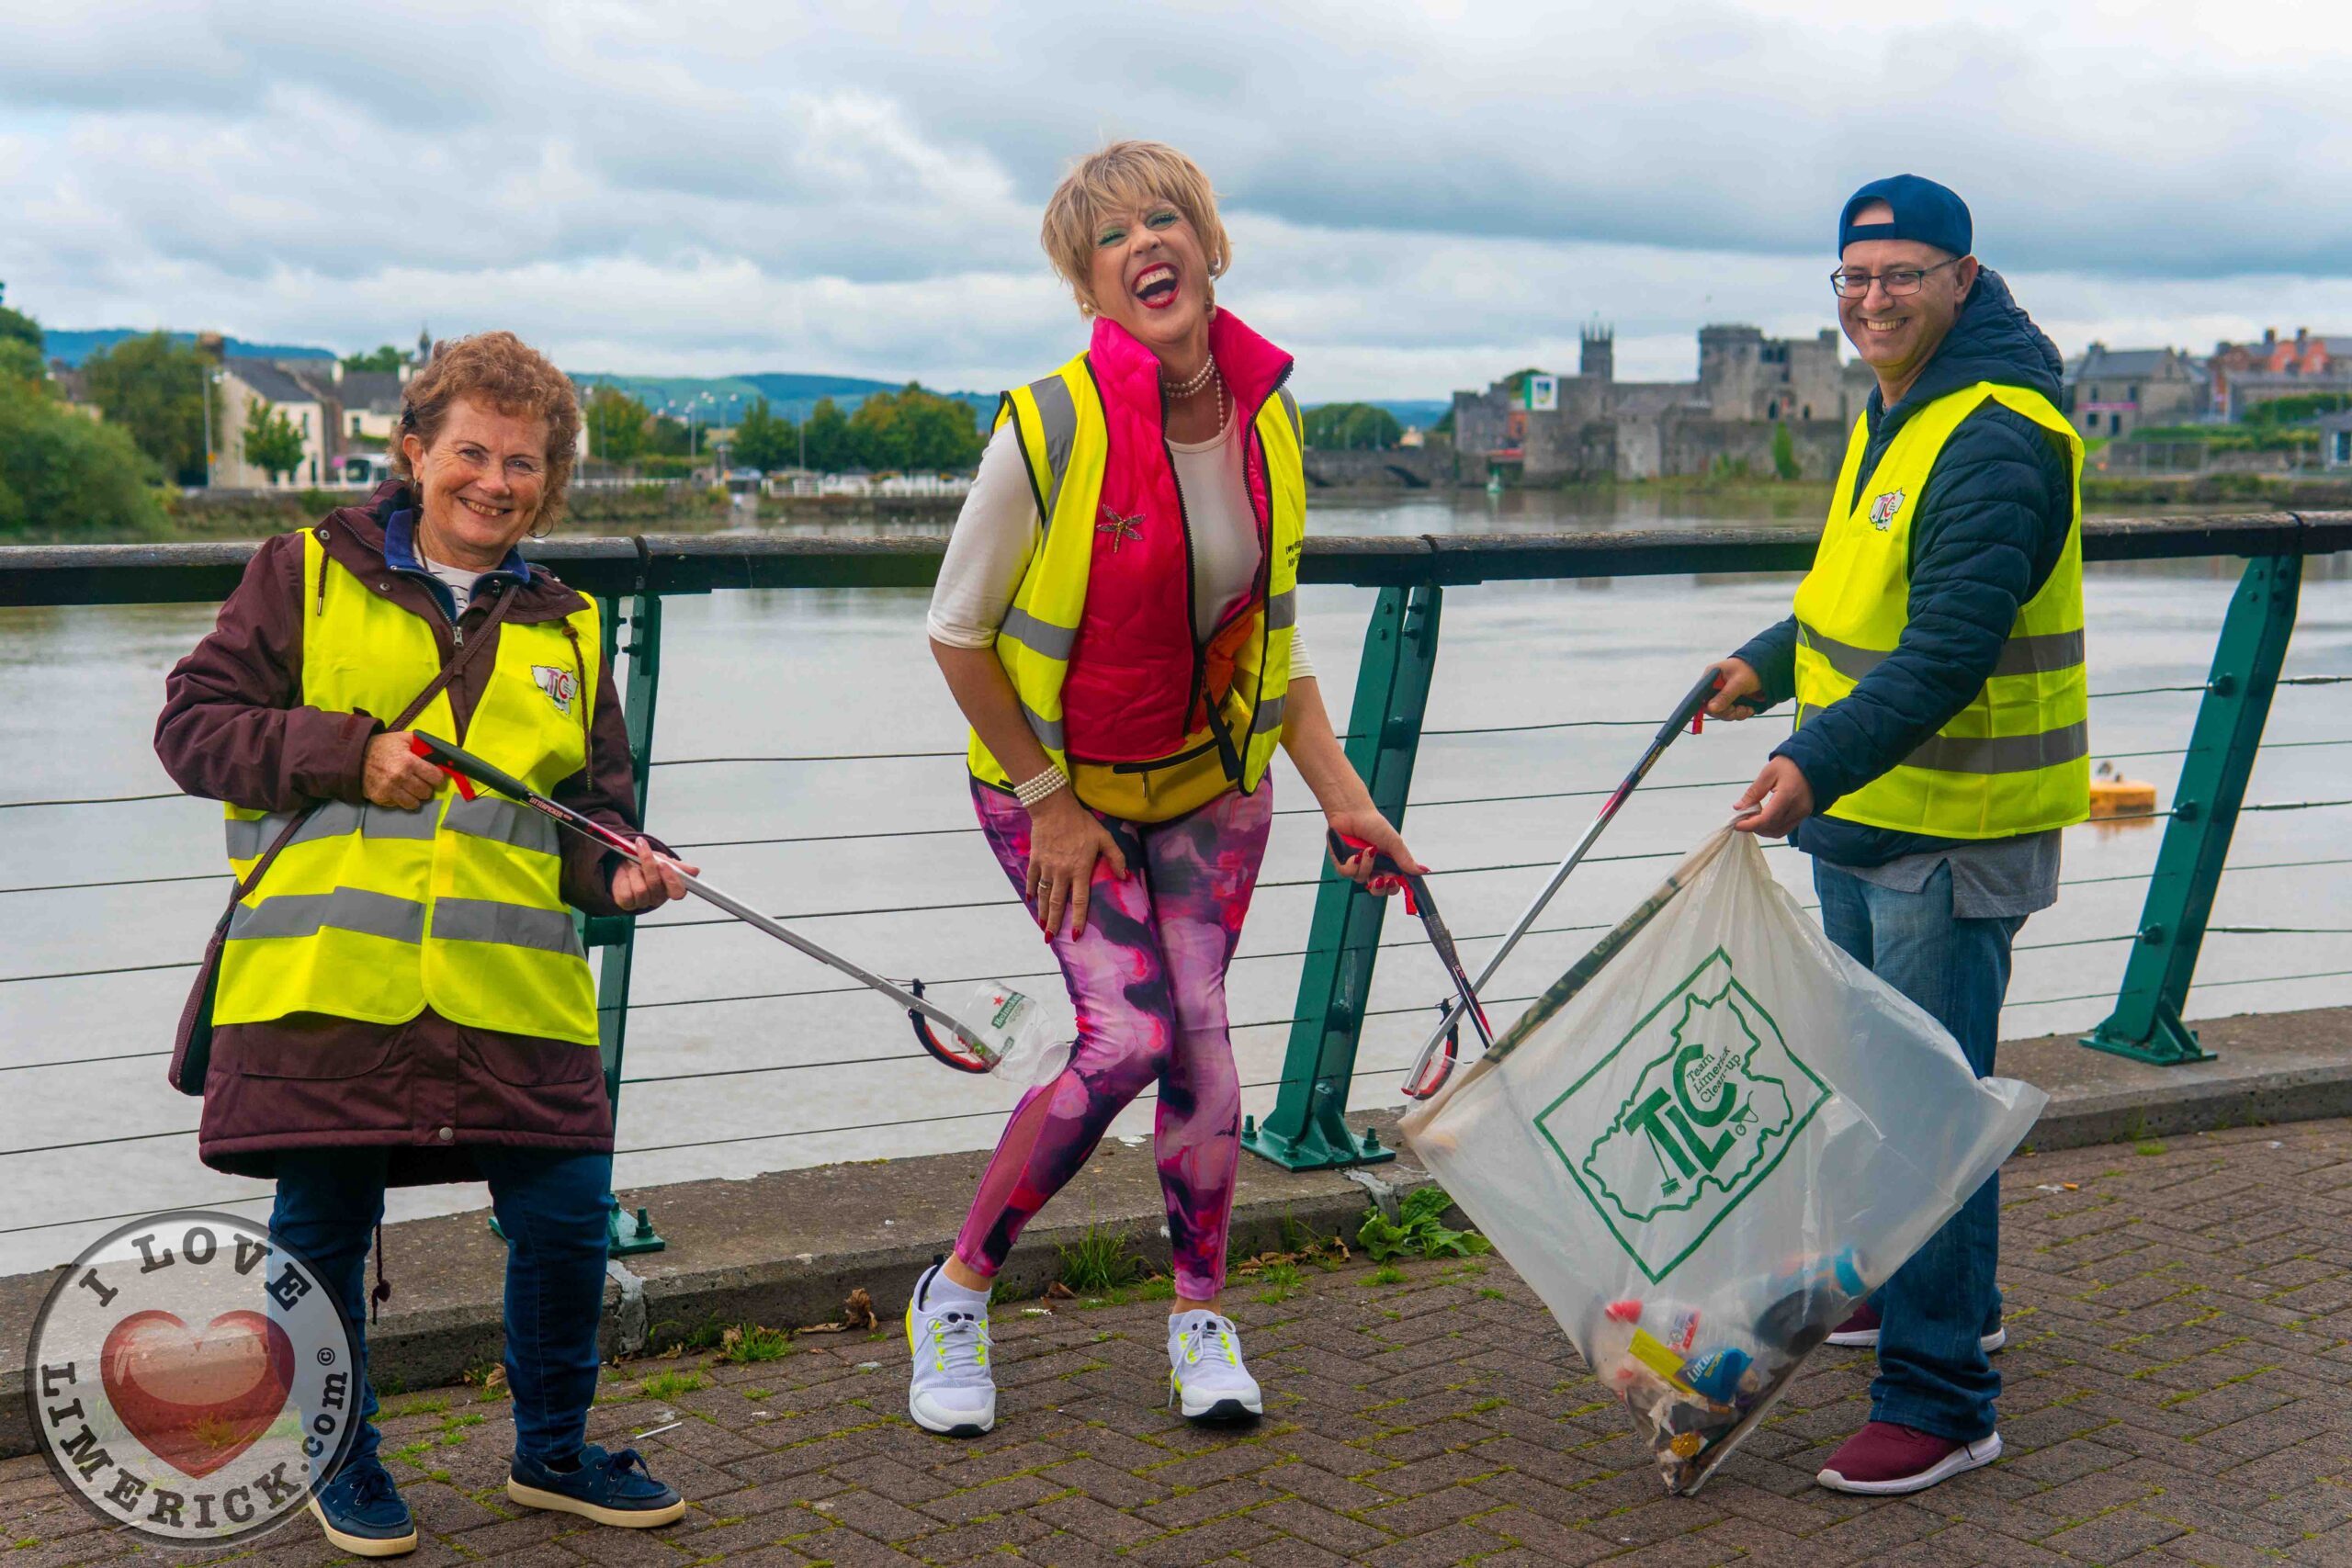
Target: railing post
x=618, y=937
x=1307, y=1129
x=2146, y=1023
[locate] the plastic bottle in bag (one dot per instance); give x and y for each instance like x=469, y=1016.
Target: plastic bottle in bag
x=1018, y=1035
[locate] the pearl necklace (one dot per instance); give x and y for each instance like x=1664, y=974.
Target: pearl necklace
x=1192, y=385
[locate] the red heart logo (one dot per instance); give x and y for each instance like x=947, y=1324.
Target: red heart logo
x=197, y=1398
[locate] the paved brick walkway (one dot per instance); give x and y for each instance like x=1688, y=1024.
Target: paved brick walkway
x=2179, y=1389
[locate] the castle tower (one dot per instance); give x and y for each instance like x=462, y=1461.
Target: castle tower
x=1600, y=357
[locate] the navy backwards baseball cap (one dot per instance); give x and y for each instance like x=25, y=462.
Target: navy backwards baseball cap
x=1923, y=211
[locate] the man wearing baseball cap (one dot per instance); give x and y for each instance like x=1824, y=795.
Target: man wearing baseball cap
x=1936, y=661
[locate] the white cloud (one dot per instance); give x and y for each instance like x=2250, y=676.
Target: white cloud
x=1422, y=197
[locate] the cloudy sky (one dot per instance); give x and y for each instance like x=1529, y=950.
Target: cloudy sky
x=1422, y=196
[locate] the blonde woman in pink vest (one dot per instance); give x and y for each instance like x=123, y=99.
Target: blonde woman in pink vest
x=1116, y=617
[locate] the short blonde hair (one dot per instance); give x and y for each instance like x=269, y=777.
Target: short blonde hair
x=511, y=376
x=1127, y=175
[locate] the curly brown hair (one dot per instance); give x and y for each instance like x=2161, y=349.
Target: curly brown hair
x=511, y=376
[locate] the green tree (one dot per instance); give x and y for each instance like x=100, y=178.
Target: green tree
x=156, y=388
x=1784, y=451
x=765, y=441
x=20, y=361
x=273, y=442
x=941, y=432
x=832, y=447
x=1335, y=426
x=877, y=434
x=616, y=425
x=666, y=436
x=63, y=472
x=384, y=361
x=20, y=341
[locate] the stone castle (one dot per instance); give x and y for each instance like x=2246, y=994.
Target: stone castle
x=1600, y=428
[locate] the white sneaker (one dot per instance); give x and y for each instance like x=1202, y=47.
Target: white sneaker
x=1206, y=1377
x=952, y=1393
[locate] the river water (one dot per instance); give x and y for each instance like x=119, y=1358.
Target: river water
x=732, y=1088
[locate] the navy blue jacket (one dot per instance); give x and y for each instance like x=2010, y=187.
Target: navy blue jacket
x=1990, y=526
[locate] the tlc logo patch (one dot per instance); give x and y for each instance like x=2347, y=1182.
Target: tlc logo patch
x=559, y=684
x=1883, y=509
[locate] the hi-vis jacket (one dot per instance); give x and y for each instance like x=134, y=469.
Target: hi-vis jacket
x=2016, y=759
x=510, y=1063
x=372, y=914
x=1150, y=720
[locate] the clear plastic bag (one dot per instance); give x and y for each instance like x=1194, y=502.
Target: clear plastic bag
x=1021, y=1042
x=1708, y=1141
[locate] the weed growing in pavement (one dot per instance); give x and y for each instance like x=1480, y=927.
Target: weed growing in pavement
x=669, y=1385
x=2149, y=1147
x=1386, y=1274
x=1418, y=1230
x=1282, y=1282
x=745, y=1343
x=1103, y=1257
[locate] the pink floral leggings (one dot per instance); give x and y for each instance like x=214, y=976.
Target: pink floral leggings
x=1148, y=976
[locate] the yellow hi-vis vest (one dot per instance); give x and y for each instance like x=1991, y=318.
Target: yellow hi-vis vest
x=2017, y=759
x=375, y=914
x=1064, y=438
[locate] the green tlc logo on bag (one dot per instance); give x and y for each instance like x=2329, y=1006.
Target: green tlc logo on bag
x=1688, y=1115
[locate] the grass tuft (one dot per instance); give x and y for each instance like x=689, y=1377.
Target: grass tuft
x=1103, y=1257
x=669, y=1385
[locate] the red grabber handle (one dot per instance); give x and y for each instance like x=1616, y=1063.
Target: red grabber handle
x=418, y=746
x=1344, y=847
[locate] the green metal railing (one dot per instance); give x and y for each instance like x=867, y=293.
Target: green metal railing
x=1306, y=1128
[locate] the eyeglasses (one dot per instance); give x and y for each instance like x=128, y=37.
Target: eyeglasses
x=1897, y=281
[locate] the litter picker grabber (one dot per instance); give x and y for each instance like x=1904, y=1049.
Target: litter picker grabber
x=1419, y=902
x=1686, y=714
x=981, y=1052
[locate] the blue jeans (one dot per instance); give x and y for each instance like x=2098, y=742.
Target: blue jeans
x=1933, y=1374
x=550, y=1203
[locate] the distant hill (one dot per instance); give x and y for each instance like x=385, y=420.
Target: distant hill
x=791, y=394
x=1417, y=412
x=75, y=346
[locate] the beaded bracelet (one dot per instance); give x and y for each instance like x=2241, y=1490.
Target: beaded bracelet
x=1039, y=788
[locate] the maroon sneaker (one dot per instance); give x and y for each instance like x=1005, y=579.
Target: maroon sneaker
x=1862, y=1330
x=1883, y=1458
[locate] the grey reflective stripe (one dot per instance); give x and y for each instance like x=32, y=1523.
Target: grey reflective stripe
x=346, y=908
x=1048, y=731
x=1269, y=717
x=1846, y=658
x=1281, y=610
x=1053, y=641
x=2039, y=654
x=2003, y=753
x=1994, y=754
x=248, y=838
x=510, y=925
x=1290, y=407
x=503, y=821
x=1058, y=423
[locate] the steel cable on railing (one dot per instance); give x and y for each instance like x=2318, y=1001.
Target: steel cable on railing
x=131, y=1214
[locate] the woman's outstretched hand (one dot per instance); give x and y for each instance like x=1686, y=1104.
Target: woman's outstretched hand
x=638, y=887
x=1065, y=840
x=1370, y=827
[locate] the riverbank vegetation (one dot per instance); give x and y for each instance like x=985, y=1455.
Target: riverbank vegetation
x=56, y=461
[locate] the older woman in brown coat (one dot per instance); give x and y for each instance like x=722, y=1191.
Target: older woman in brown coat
x=402, y=997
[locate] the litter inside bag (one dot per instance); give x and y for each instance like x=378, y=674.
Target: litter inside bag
x=1708, y=1141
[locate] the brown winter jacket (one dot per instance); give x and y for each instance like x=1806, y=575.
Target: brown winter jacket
x=426, y=1089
